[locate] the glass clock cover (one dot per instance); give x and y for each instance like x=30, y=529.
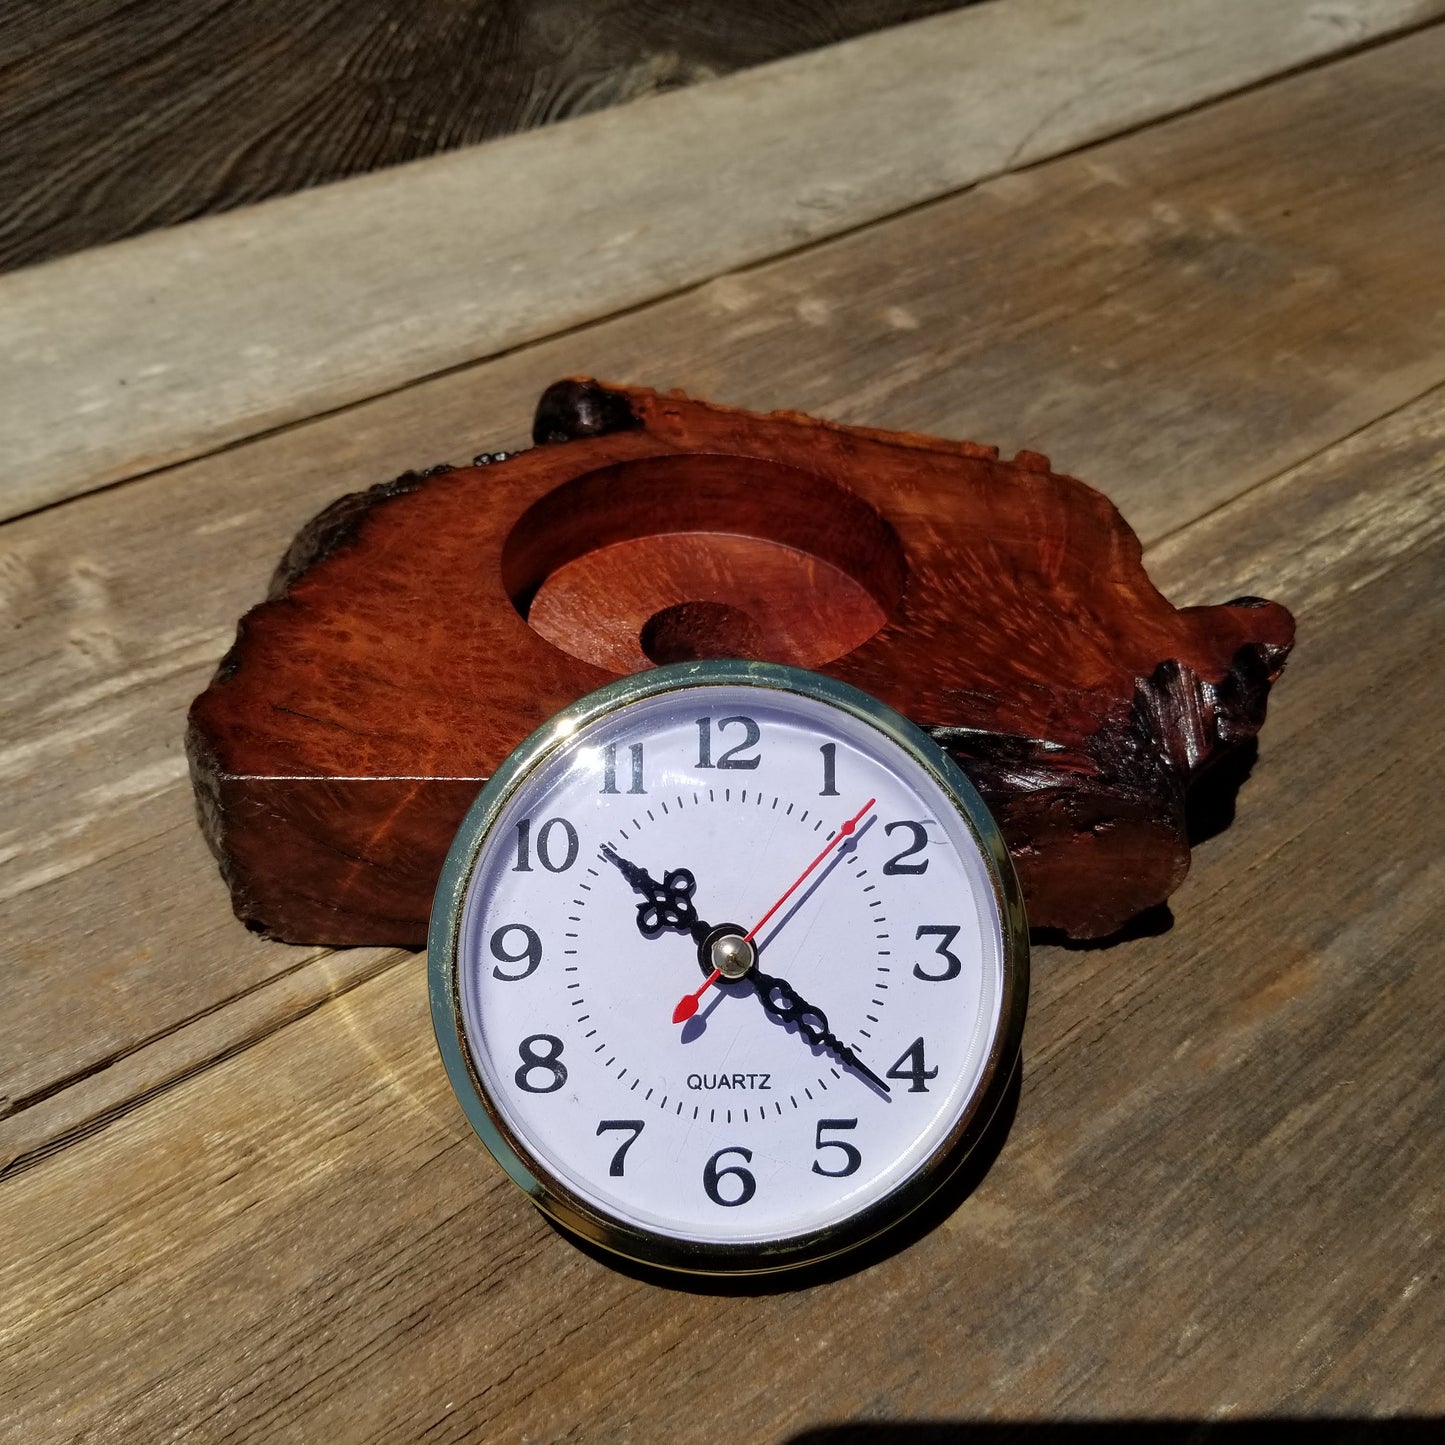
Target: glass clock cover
x=690, y=824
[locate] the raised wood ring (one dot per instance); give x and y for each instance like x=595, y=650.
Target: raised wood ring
x=671, y=558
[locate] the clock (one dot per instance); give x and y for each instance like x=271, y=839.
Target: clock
x=728, y=967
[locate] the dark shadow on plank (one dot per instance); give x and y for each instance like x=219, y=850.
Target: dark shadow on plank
x=1149, y=924
x=1267, y=1431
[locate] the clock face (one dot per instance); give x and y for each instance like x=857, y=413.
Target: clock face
x=728, y=967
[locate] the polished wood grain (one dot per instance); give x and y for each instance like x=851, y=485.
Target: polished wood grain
x=116, y=120
x=163, y=348
x=1134, y=244
x=397, y=659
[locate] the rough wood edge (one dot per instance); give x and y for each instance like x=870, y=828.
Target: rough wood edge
x=1095, y=817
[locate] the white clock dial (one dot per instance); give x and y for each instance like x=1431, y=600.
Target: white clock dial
x=780, y=828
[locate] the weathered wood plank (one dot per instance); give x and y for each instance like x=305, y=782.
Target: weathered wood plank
x=108, y=1087
x=114, y=122
x=1204, y=1206
x=1270, y=275
x=167, y=346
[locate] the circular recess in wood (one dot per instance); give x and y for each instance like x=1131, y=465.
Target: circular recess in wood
x=689, y=631
x=669, y=558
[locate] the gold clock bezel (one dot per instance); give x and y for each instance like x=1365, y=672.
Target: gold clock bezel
x=551, y=1194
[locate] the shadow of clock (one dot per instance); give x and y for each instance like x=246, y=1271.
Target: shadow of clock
x=1151, y=923
x=1266, y=1431
x=907, y=1231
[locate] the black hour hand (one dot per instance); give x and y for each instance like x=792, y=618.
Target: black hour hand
x=667, y=904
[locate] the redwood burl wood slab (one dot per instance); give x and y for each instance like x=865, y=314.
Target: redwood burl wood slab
x=415, y=633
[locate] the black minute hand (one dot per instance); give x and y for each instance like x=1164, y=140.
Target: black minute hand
x=667, y=904
x=812, y=1022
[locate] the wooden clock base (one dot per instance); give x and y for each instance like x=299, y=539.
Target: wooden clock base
x=415, y=633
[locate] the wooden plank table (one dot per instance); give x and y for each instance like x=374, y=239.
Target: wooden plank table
x=237, y=1198
x=113, y=123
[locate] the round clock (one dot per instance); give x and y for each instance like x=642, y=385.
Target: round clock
x=728, y=967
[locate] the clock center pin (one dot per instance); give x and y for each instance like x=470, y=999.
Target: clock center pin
x=732, y=955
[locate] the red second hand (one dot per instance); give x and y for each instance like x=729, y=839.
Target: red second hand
x=687, y=1004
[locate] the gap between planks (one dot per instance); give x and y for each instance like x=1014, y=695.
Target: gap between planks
x=1203, y=258
x=163, y=348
